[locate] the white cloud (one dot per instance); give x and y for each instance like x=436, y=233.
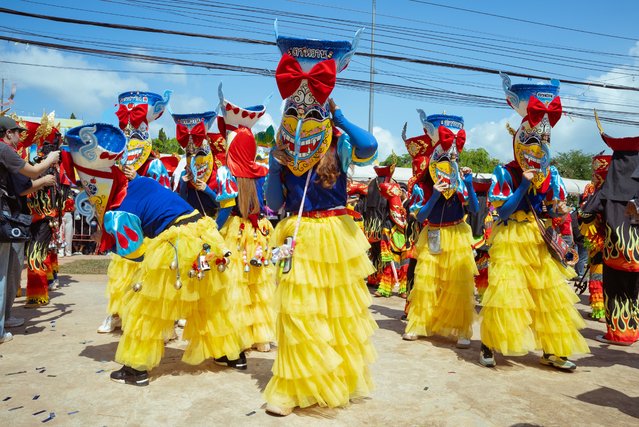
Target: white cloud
x=494, y=137
x=387, y=143
x=85, y=92
x=265, y=121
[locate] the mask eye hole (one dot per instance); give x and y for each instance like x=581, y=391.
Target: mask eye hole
x=291, y=111
x=314, y=114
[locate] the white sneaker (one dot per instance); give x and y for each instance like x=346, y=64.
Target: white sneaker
x=181, y=323
x=110, y=324
x=54, y=285
x=408, y=336
x=263, y=347
x=278, y=410
x=463, y=342
x=7, y=337
x=13, y=322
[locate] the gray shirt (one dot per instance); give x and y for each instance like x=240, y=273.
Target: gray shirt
x=10, y=159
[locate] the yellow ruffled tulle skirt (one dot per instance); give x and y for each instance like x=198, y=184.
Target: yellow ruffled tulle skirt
x=528, y=305
x=442, y=299
x=213, y=327
x=121, y=276
x=257, y=286
x=323, y=325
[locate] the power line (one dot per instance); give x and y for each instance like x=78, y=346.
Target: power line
x=269, y=43
x=527, y=21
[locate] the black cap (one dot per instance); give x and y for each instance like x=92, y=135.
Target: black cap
x=7, y=123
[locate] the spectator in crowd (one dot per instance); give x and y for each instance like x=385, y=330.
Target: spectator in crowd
x=11, y=162
x=579, y=245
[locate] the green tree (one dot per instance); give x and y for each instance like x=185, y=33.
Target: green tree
x=403, y=161
x=168, y=146
x=162, y=135
x=574, y=164
x=478, y=160
x=72, y=116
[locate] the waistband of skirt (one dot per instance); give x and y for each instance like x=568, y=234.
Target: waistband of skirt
x=326, y=213
x=186, y=219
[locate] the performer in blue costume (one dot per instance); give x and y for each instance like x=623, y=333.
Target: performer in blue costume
x=205, y=185
x=323, y=325
x=173, y=246
x=442, y=300
x=528, y=305
x=136, y=110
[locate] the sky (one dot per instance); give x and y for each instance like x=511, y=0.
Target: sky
x=544, y=38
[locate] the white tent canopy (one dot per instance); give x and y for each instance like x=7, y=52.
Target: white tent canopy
x=364, y=173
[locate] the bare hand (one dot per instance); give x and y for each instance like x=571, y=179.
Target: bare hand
x=129, y=172
x=53, y=158
x=332, y=106
x=48, y=180
x=466, y=171
x=441, y=186
x=97, y=236
x=200, y=185
x=562, y=208
x=529, y=174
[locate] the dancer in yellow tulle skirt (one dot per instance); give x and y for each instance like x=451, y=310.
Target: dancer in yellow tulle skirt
x=254, y=275
x=528, y=304
x=323, y=324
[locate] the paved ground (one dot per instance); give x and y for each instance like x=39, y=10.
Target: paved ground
x=58, y=364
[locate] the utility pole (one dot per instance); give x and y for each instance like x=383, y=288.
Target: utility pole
x=371, y=93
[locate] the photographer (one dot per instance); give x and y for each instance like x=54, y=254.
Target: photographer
x=11, y=162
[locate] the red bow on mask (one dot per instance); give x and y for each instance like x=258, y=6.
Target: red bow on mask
x=197, y=134
x=136, y=115
x=321, y=78
x=447, y=137
x=536, y=111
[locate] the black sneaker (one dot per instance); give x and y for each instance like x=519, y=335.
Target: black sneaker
x=486, y=357
x=239, y=364
x=127, y=375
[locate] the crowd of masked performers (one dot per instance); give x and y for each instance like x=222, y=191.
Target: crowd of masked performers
x=195, y=246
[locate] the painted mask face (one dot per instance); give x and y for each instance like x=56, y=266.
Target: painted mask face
x=137, y=152
x=308, y=122
x=202, y=163
x=305, y=76
x=540, y=108
x=443, y=165
x=532, y=149
x=447, y=137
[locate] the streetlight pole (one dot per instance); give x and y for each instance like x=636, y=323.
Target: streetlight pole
x=371, y=93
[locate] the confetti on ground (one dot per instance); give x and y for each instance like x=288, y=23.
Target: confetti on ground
x=37, y=369
x=52, y=376
x=250, y=413
x=100, y=371
x=17, y=407
x=16, y=373
x=41, y=371
x=39, y=412
x=51, y=416
x=6, y=398
x=36, y=397
x=425, y=388
x=72, y=412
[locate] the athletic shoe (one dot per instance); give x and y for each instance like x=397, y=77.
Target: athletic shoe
x=127, y=375
x=263, y=347
x=110, y=324
x=239, y=364
x=13, y=322
x=557, y=362
x=278, y=410
x=463, y=342
x=409, y=336
x=6, y=337
x=486, y=357
x=54, y=285
x=181, y=323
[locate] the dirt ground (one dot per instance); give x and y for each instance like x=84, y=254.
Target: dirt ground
x=56, y=371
